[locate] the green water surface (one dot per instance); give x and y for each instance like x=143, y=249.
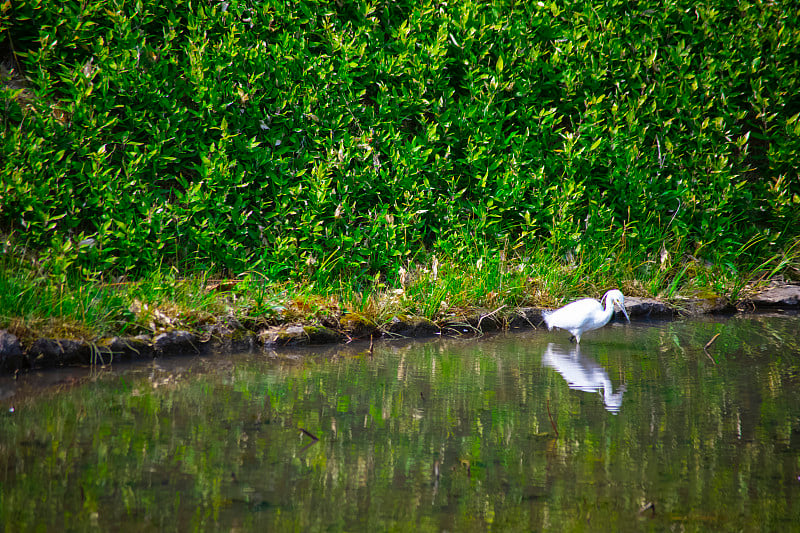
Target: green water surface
x=641, y=429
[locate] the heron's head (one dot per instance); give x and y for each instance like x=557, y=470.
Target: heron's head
x=615, y=297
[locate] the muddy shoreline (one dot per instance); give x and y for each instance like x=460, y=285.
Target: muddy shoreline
x=232, y=335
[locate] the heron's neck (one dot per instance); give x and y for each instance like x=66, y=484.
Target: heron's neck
x=609, y=308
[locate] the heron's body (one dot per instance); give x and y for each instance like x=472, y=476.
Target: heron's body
x=586, y=314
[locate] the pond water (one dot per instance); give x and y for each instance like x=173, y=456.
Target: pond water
x=640, y=429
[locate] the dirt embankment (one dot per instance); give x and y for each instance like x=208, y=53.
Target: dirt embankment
x=230, y=334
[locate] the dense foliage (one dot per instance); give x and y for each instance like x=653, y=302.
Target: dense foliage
x=343, y=139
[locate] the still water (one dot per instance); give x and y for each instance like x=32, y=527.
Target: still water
x=641, y=429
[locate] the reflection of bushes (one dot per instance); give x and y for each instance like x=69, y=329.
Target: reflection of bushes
x=215, y=441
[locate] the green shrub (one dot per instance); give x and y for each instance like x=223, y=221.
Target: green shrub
x=323, y=140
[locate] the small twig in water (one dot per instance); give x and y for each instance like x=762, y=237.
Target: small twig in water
x=542, y=314
x=488, y=315
x=649, y=506
x=711, y=341
x=705, y=348
x=308, y=433
x=305, y=448
x=552, y=423
x=525, y=318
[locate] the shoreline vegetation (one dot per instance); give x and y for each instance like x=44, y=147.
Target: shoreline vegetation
x=229, y=334
x=329, y=325
x=196, y=168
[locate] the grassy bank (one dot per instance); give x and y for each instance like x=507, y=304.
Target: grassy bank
x=389, y=157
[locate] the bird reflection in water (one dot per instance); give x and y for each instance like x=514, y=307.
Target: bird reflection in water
x=583, y=373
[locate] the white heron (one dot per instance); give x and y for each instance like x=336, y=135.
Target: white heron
x=586, y=314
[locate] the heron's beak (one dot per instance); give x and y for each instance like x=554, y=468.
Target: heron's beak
x=624, y=312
